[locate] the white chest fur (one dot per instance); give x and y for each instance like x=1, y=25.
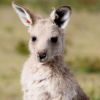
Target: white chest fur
x=41, y=83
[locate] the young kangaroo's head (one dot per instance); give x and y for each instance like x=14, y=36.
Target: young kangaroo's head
x=46, y=35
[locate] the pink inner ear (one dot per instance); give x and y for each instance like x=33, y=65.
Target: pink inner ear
x=28, y=21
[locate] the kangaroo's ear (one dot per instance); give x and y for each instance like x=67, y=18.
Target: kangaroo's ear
x=28, y=17
x=61, y=15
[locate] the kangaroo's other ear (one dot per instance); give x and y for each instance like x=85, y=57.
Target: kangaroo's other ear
x=28, y=17
x=61, y=15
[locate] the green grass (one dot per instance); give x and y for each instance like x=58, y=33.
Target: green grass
x=82, y=41
x=90, y=5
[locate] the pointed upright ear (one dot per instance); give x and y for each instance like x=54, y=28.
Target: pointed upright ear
x=28, y=17
x=61, y=15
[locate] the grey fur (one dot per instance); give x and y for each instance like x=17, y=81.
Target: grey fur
x=50, y=79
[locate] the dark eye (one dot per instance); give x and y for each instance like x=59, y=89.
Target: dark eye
x=54, y=39
x=34, y=39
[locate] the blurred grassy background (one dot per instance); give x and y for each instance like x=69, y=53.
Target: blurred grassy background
x=82, y=44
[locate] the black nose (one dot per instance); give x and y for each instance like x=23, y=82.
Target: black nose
x=41, y=55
